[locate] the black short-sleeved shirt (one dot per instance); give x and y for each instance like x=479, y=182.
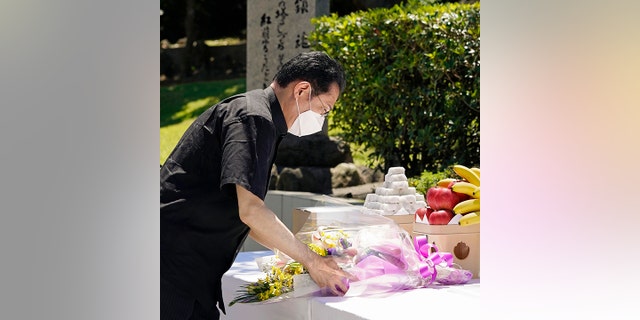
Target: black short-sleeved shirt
x=233, y=142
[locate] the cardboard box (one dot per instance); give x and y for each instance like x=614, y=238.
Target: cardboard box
x=462, y=241
x=300, y=216
x=405, y=221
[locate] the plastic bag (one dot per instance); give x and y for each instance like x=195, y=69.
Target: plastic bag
x=372, y=247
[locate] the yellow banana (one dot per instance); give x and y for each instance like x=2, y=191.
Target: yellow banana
x=467, y=174
x=445, y=182
x=466, y=188
x=467, y=206
x=476, y=193
x=470, y=218
x=476, y=170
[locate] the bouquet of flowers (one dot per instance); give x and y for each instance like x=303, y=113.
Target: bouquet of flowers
x=372, y=247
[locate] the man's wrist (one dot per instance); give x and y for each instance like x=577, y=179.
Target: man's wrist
x=311, y=258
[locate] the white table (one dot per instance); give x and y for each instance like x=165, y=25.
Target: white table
x=450, y=302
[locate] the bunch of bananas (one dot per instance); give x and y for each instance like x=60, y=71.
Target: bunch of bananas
x=470, y=185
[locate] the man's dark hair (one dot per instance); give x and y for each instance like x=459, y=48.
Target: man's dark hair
x=315, y=67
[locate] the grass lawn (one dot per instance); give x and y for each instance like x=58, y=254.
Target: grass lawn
x=181, y=104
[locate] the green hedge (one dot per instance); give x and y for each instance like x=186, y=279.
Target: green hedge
x=413, y=82
x=427, y=179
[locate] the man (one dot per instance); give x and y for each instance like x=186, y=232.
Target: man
x=213, y=185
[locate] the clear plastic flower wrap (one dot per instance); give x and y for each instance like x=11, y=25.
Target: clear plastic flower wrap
x=372, y=247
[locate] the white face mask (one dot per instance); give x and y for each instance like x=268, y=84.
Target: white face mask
x=306, y=123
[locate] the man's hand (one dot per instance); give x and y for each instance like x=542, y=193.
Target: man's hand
x=328, y=275
x=269, y=231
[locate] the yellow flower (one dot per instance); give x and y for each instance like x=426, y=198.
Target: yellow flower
x=317, y=249
x=293, y=268
x=280, y=280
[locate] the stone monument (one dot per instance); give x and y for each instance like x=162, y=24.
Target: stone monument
x=277, y=30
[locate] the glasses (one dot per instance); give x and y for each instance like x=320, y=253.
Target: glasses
x=325, y=108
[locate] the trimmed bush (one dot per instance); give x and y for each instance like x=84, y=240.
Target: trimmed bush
x=428, y=179
x=413, y=82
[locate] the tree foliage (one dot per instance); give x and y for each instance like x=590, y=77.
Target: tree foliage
x=413, y=74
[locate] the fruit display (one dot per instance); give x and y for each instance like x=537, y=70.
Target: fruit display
x=451, y=197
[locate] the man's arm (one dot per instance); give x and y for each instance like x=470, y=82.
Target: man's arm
x=268, y=230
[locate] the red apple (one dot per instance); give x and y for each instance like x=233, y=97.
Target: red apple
x=441, y=217
x=423, y=212
x=429, y=211
x=444, y=198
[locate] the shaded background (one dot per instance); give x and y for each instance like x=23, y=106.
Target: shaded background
x=189, y=30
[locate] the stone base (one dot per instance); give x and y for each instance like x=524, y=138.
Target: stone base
x=309, y=179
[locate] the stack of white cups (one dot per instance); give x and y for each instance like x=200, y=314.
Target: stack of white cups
x=394, y=197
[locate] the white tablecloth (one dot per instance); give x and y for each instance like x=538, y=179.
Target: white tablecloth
x=450, y=302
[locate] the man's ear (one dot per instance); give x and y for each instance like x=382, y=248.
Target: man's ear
x=300, y=88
